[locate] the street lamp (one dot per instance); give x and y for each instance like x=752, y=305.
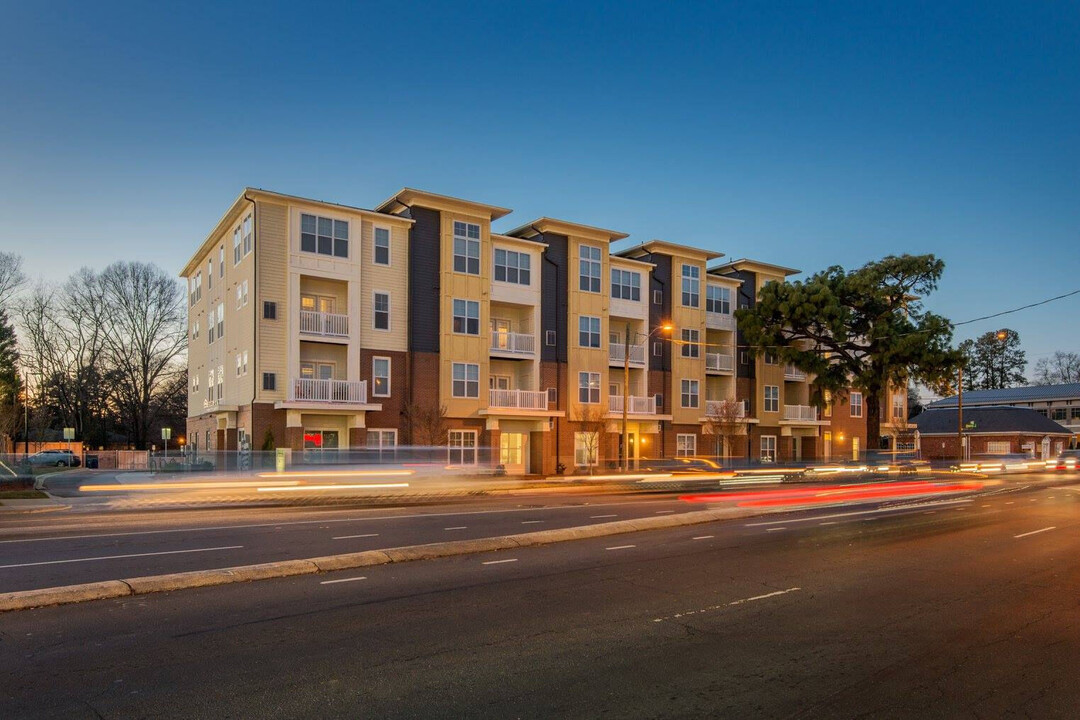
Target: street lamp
x=666, y=327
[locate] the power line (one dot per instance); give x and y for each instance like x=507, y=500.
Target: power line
x=1014, y=310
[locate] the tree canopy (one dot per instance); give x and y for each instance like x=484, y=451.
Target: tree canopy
x=993, y=361
x=865, y=329
x=1058, y=369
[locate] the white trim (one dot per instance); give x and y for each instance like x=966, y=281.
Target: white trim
x=389, y=376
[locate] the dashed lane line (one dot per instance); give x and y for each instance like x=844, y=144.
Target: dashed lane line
x=458, y=527
x=499, y=562
x=342, y=580
x=1035, y=532
x=620, y=547
x=703, y=537
x=725, y=605
x=350, y=537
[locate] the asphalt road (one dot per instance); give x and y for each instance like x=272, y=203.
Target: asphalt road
x=956, y=609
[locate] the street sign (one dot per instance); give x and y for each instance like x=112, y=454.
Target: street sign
x=166, y=433
x=69, y=433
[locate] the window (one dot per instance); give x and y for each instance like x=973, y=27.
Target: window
x=771, y=358
x=856, y=404
x=245, y=366
x=237, y=248
x=210, y=386
x=553, y=396
x=239, y=363
x=1059, y=414
x=685, y=445
x=512, y=267
x=549, y=338
x=379, y=439
x=324, y=236
x=744, y=357
x=221, y=261
x=381, y=319
x=194, y=383
x=1076, y=413
x=244, y=285
x=466, y=380
x=657, y=349
x=380, y=376
x=209, y=274
x=828, y=404
x=659, y=398
x=381, y=246
x=690, y=393
x=462, y=447
x=589, y=387
x=691, y=346
x=221, y=320
x=196, y=287
x=220, y=382
x=269, y=381
x=466, y=248
x=626, y=285
x=589, y=269
x=768, y=448
x=466, y=317
x=195, y=331
x=269, y=310
x=585, y=448
x=898, y=406
x=589, y=331
x=994, y=447
x=718, y=299
x=772, y=398
x=691, y=285
x=246, y=230
x=658, y=297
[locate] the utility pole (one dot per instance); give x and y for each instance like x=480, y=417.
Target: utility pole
x=26, y=417
x=960, y=411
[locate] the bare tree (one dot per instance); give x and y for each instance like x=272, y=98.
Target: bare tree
x=725, y=421
x=427, y=424
x=11, y=277
x=592, y=424
x=145, y=337
x=1058, y=369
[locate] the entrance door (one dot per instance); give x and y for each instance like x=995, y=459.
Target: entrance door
x=500, y=334
x=826, y=447
x=513, y=449
x=632, y=437
x=796, y=448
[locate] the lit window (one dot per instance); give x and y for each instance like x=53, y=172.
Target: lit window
x=380, y=376
x=466, y=248
x=589, y=269
x=586, y=446
x=466, y=317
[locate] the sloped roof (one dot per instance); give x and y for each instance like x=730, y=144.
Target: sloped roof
x=1009, y=396
x=1002, y=419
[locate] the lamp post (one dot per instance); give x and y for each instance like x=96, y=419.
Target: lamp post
x=666, y=327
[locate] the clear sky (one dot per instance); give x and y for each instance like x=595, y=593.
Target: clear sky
x=805, y=134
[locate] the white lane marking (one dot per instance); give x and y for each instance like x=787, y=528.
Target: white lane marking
x=855, y=514
x=703, y=537
x=334, y=582
x=1051, y=497
x=620, y=547
x=531, y=522
x=1036, y=532
x=350, y=537
x=313, y=522
x=929, y=512
x=725, y=605
x=499, y=562
x=459, y=527
x=986, y=505
x=1010, y=502
x=594, y=517
x=118, y=557
x=664, y=512
x=775, y=529
x=831, y=522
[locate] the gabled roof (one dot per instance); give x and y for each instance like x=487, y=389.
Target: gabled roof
x=752, y=266
x=995, y=419
x=1010, y=396
x=664, y=247
x=411, y=196
x=565, y=227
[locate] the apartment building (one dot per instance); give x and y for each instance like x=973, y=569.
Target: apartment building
x=318, y=327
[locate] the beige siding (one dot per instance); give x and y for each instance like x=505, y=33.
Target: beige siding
x=273, y=251
x=393, y=280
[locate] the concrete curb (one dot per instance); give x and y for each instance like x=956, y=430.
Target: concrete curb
x=26, y=599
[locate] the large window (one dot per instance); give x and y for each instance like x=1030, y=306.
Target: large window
x=221, y=320
x=512, y=266
x=466, y=248
x=246, y=232
x=998, y=447
x=380, y=439
x=685, y=445
x=589, y=269
x=691, y=285
x=237, y=248
x=898, y=406
x=466, y=317
x=589, y=331
x=324, y=236
x=690, y=393
x=220, y=382
x=380, y=376
x=462, y=447
x=381, y=309
x=718, y=299
x=381, y=251
x=195, y=291
x=466, y=380
x=691, y=343
x=768, y=448
x=625, y=284
x=589, y=387
x=772, y=398
x=856, y=404
x=586, y=446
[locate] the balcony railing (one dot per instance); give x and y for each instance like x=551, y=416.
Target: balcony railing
x=793, y=373
x=719, y=321
x=638, y=405
x=719, y=362
x=617, y=353
x=715, y=408
x=513, y=343
x=801, y=412
x=518, y=399
x=327, y=324
x=328, y=391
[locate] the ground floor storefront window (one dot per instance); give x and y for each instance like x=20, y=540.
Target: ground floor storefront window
x=462, y=449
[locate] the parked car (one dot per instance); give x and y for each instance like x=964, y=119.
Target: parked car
x=53, y=458
x=1067, y=460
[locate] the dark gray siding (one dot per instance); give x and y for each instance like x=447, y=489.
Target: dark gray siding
x=659, y=314
x=554, y=299
x=744, y=297
x=424, y=290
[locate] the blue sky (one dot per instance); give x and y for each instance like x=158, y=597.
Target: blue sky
x=805, y=134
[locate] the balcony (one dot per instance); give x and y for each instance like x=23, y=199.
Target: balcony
x=793, y=374
x=324, y=324
x=719, y=362
x=513, y=344
x=617, y=353
x=801, y=413
x=719, y=321
x=328, y=391
x=715, y=408
x=638, y=405
x=518, y=399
